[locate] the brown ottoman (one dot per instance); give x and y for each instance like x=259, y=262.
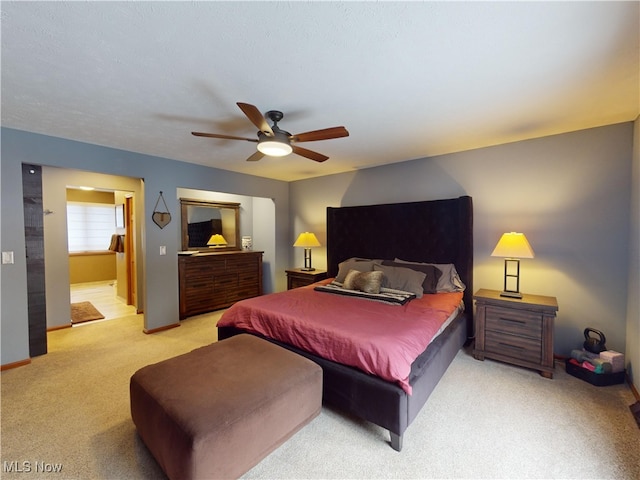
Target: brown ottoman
x=217, y=411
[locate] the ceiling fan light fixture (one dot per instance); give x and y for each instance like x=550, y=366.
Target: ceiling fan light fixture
x=274, y=148
x=275, y=142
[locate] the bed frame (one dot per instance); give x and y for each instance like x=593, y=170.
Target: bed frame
x=437, y=231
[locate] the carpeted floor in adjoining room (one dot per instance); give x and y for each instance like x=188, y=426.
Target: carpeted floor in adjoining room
x=484, y=420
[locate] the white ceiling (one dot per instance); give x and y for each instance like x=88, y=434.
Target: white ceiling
x=407, y=79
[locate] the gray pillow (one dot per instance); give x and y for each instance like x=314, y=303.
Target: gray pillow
x=433, y=274
x=353, y=264
x=368, y=282
x=449, y=281
x=399, y=278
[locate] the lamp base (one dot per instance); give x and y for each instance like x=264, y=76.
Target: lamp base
x=511, y=294
x=307, y=261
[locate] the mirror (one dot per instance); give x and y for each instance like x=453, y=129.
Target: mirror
x=202, y=219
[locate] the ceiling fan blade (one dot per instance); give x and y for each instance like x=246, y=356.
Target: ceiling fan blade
x=324, y=134
x=226, y=137
x=303, y=152
x=256, y=117
x=256, y=156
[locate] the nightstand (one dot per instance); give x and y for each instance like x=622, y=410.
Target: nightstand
x=516, y=331
x=297, y=277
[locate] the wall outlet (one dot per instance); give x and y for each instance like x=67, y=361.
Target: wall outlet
x=163, y=250
x=7, y=258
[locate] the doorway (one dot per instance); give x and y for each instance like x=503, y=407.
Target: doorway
x=55, y=182
x=101, y=232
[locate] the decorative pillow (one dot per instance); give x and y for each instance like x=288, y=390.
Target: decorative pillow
x=368, y=282
x=432, y=273
x=399, y=278
x=449, y=281
x=360, y=265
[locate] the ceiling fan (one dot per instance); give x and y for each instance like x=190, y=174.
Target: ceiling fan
x=275, y=142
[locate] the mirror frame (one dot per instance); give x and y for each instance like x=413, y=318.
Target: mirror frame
x=185, y=203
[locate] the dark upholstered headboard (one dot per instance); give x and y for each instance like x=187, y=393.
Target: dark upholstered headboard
x=437, y=231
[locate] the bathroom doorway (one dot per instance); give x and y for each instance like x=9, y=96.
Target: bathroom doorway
x=127, y=194
x=101, y=253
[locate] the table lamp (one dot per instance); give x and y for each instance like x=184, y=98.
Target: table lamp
x=307, y=240
x=513, y=246
x=216, y=240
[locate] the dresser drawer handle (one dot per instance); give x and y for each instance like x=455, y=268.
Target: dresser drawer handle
x=512, y=320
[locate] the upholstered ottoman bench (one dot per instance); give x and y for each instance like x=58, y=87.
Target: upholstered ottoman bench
x=217, y=411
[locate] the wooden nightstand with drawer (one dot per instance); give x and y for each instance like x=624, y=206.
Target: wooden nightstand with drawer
x=297, y=277
x=516, y=331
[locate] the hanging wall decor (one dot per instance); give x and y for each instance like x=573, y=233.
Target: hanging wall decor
x=161, y=219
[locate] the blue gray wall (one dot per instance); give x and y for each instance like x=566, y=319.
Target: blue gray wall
x=574, y=195
x=160, y=273
x=633, y=290
x=570, y=194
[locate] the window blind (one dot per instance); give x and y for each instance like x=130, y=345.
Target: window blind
x=90, y=226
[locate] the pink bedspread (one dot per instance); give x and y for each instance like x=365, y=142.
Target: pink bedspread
x=377, y=338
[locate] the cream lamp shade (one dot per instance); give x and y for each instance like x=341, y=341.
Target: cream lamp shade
x=307, y=240
x=513, y=246
x=216, y=240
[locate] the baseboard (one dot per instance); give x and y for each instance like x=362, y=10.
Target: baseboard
x=161, y=329
x=633, y=388
x=9, y=366
x=59, y=327
x=635, y=408
x=635, y=411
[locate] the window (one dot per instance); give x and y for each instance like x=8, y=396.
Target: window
x=90, y=226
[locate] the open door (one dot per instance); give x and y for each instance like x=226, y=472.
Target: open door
x=129, y=249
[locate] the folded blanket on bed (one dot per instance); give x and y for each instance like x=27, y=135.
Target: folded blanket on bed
x=386, y=295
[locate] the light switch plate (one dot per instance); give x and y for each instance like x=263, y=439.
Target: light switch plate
x=7, y=258
x=163, y=250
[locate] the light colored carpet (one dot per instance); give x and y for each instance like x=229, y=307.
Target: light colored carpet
x=484, y=420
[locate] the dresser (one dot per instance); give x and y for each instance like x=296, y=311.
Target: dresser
x=297, y=277
x=516, y=331
x=210, y=281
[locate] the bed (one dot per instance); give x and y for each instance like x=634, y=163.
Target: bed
x=436, y=232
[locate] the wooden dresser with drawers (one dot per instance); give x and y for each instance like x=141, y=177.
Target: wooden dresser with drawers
x=210, y=281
